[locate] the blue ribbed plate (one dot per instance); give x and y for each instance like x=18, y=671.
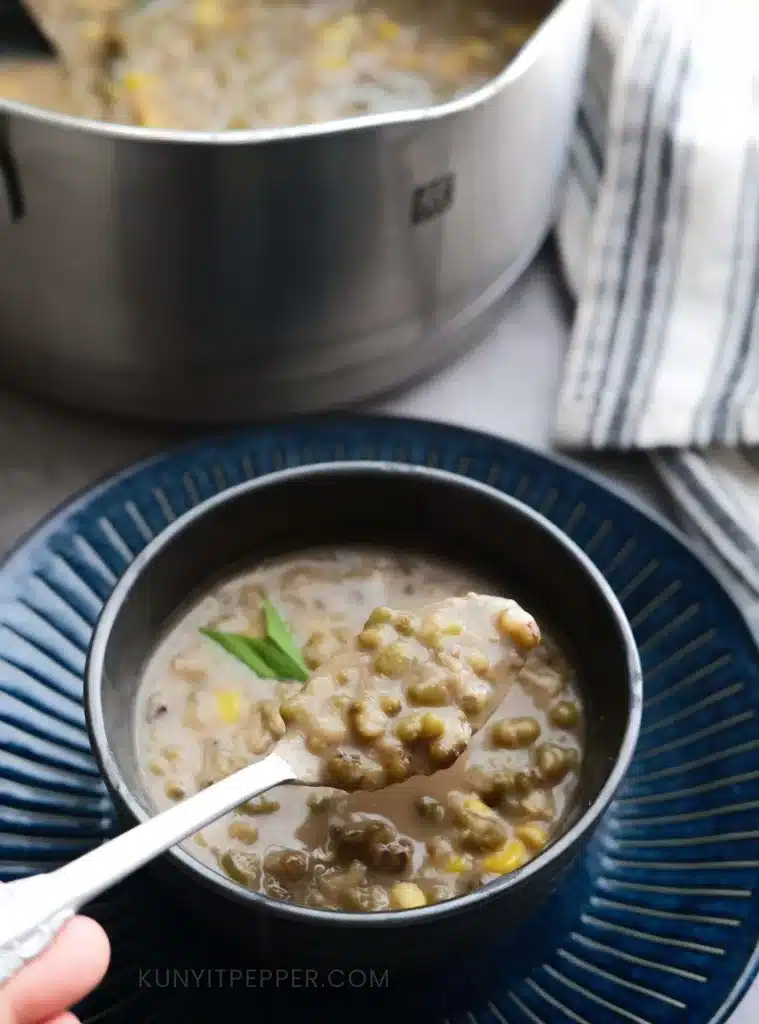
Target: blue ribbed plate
x=658, y=925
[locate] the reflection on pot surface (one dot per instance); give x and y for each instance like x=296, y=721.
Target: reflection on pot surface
x=237, y=64
x=204, y=713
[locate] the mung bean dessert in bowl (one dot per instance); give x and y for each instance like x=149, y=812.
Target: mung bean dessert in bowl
x=461, y=678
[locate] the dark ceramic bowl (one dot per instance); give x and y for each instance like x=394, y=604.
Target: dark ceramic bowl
x=407, y=507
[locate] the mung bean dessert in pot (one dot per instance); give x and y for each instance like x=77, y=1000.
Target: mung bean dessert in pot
x=419, y=806
x=216, y=65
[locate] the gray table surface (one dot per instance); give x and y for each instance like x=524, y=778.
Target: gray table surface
x=506, y=386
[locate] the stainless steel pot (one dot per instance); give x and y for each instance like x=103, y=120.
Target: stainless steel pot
x=206, y=277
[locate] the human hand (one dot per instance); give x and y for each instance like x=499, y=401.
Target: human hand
x=44, y=990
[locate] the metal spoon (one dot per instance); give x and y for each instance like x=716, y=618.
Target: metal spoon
x=33, y=910
x=78, y=36
x=21, y=34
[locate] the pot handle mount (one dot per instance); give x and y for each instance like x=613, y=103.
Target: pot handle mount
x=11, y=195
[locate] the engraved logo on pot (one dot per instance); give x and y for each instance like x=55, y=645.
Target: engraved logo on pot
x=432, y=199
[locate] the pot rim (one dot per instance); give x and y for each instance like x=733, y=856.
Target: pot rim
x=518, y=66
x=108, y=763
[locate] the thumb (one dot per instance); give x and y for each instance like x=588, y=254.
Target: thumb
x=7, y=1016
x=59, y=978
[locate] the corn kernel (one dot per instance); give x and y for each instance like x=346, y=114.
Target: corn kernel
x=148, y=113
x=208, y=14
x=228, y=706
x=136, y=81
x=388, y=30
x=510, y=857
x=406, y=896
x=534, y=837
x=340, y=33
x=477, y=49
x=458, y=863
x=331, y=62
x=473, y=803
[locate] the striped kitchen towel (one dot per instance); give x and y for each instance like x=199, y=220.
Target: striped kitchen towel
x=659, y=238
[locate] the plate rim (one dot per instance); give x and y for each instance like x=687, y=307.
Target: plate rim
x=79, y=498
x=565, y=461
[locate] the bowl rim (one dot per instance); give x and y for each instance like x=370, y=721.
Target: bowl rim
x=108, y=763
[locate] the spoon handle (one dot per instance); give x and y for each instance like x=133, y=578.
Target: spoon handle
x=33, y=910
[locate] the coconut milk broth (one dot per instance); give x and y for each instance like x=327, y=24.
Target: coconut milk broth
x=325, y=595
